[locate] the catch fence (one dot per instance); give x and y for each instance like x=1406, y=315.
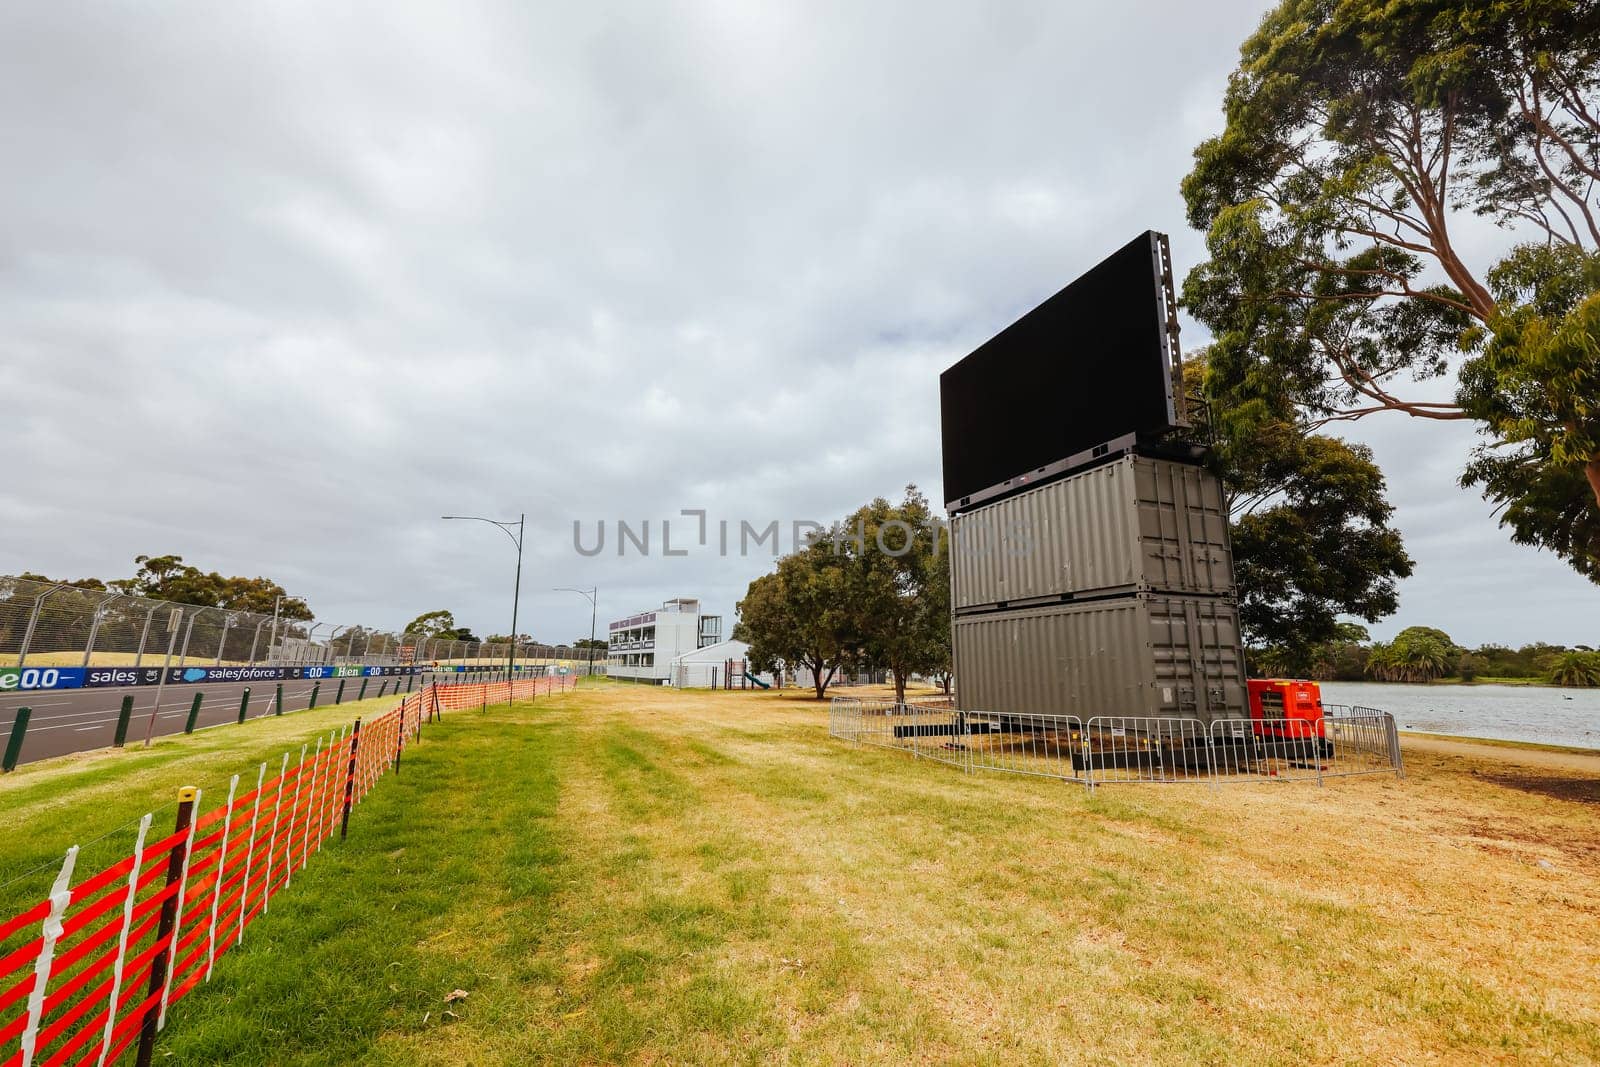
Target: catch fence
x=93, y=969
x=1107, y=750
x=47, y=624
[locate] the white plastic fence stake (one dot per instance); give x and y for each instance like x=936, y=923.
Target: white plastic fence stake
x=335, y=793
x=249, y=854
x=177, y=916
x=288, y=843
x=216, y=892
x=122, y=940
x=314, y=805
x=272, y=838
x=322, y=802
x=60, y=897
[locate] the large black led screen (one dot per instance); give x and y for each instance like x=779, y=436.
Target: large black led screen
x=1094, y=362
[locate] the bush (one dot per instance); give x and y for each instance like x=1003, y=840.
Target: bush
x=1578, y=669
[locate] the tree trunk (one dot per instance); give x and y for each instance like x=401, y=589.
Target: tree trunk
x=899, y=686
x=1592, y=470
x=818, y=682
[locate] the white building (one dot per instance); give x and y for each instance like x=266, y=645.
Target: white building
x=711, y=667
x=644, y=646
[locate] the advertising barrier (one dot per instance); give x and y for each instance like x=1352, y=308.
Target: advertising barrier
x=27, y=679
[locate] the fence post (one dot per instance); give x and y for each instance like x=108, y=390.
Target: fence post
x=94, y=628
x=194, y=713
x=279, y=704
x=1395, y=756
x=1088, y=757
x=399, y=738
x=249, y=856
x=313, y=809
x=1212, y=770
x=33, y=622
x=51, y=932
x=350, y=781
x=315, y=686
x=300, y=773
x=176, y=862
x=19, y=730
x=338, y=697
x=123, y=718
x=115, y=998
x=272, y=835
x=217, y=876
x=363, y=694
x=1316, y=749
x=244, y=703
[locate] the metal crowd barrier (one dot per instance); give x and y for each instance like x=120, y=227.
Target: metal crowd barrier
x=1114, y=750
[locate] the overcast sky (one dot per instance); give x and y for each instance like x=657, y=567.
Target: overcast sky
x=281, y=285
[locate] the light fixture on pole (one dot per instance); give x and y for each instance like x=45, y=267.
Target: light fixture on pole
x=516, y=591
x=591, y=594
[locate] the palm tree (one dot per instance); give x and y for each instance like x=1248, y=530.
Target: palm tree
x=1580, y=669
x=1415, y=655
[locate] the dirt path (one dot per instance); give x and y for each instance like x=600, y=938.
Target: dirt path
x=1577, y=762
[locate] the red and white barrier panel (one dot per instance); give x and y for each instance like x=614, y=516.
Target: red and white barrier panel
x=93, y=968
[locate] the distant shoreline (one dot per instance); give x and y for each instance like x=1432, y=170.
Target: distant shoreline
x=1496, y=742
x=1548, y=757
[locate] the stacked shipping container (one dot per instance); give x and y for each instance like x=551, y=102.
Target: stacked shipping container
x=1108, y=592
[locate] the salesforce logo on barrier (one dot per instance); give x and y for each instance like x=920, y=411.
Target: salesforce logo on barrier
x=226, y=674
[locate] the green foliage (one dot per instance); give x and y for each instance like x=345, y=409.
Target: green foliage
x=897, y=579
x=1415, y=655
x=1357, y=133
x=169, y=578
x=1310, y=524
x=441, y=626
x=1577, y=669
x=874, y=589
x=1343, y=659
x=1529, y=661
x=1536, y=387
x=1428, y=633
x=800, y=616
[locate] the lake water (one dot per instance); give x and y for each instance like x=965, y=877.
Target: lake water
x=1504, y=712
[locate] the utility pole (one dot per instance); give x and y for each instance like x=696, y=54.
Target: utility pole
x=591, y=594
x=516, y=591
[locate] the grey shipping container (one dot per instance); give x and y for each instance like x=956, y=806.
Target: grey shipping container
x=1145, y=655
x=1136, y=524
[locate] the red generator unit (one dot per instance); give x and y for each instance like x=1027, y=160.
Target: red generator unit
x=1286, y=713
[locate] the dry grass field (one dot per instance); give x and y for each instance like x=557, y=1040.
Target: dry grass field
x=635, y=874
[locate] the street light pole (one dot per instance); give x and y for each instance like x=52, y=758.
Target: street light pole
x=591, y=594
x=516, y=592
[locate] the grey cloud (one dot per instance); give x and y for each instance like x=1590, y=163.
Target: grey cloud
x=280, y=285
